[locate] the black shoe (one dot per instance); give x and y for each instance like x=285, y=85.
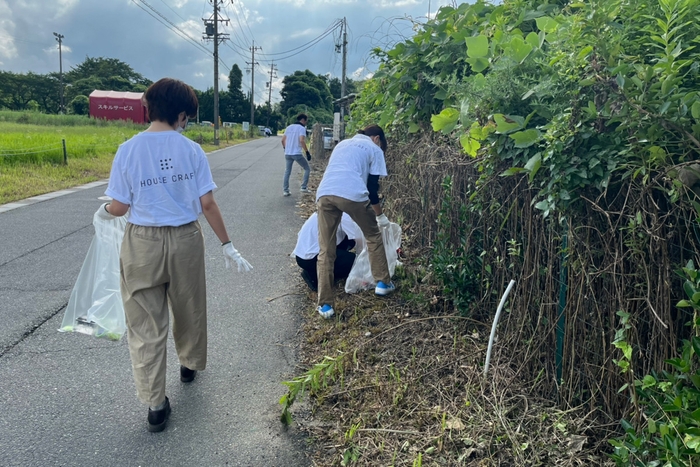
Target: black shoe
x=309, y=280
x=187, y=375
x=157, y=418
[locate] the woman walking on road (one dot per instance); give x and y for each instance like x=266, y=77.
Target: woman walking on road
x=350, y=184
x=165, y=180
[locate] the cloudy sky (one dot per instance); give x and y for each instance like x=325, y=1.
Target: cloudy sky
x=294, y=34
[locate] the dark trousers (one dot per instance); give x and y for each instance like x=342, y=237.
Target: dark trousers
x=341, y=268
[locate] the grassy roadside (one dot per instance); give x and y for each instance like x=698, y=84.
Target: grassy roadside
x=31, y=161
x=20, y=181
x=398, y=381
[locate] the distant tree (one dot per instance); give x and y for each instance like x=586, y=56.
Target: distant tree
x=83, y=87
x=305, y=88
x=16, y=89
x=315, y=115
x=105, y=69
x=235, y=104
x=206, y=104
x=80, y=105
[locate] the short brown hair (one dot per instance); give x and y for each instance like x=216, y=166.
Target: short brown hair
x=376, y=130
x=167, y=97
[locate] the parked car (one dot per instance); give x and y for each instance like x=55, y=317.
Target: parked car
x=206, y=123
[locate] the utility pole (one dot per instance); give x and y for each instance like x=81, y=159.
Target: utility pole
x=342, y=81
x=269, y=95
x=252, y=64
x=212, y=33
x=59, y=39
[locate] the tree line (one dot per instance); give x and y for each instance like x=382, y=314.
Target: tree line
x=302, y=91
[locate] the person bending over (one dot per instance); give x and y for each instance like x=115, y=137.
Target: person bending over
x=350, y=185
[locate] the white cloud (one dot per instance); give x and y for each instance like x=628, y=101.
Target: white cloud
x=398, y=3
x=54, y=50
x=7, y=26
x=305, y=32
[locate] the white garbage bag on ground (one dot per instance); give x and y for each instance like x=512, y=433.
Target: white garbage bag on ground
x=95, y=305
x=360, y=277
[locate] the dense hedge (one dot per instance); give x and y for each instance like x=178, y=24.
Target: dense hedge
x=554, y=143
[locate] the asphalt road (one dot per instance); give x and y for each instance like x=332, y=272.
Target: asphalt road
x=68, y=399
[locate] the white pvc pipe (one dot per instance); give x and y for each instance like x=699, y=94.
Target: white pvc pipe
x=495, y=322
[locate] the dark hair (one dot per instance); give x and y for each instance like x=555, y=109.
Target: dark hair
x=167, y=97
x=301, y=117
x=375, y=130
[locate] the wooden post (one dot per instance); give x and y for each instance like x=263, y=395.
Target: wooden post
x=317, y=141
x=65, y=154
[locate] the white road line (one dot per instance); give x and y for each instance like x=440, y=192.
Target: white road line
x=47, y=196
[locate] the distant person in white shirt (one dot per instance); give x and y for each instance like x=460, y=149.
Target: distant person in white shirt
x=293, y=142
x=350, y=185
x=348, y=236
x=163, y=180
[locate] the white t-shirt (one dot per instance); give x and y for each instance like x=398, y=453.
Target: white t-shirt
x=292, y=146
x=161, y=175
x=307, y=238
x=351, y=162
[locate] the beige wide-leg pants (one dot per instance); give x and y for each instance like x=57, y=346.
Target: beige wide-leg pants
x=163, y=266
x=330, y=210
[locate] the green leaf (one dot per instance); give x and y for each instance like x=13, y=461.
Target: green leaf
x=695, y=342
x=478, y=64
x=508, y=123
x=585, y=51
x=413, y=127
x=695, y=110
x=667, y=85
x=469, y=144
x=526, y=138
x=513, y=171
x=648, y=382
x=533, y=39
x=477, y=46
x=533, y=165
x=445, y=121
x=651, y=426
x=547, y=24
x=683, y=304
x=520, y=49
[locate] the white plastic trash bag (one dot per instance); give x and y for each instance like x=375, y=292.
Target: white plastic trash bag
x=95, y=305
x=360, y=277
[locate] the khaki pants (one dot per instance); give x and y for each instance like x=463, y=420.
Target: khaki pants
x=330, y=210
x=161, y=266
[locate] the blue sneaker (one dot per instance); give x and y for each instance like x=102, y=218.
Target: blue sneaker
x=326, y=311
x=384, y=289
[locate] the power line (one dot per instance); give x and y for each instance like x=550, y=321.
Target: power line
x=168, y=24
x=176, y=13
x=312, y=42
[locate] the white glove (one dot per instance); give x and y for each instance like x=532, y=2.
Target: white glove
x=103, y=214
x=382, y=221
x=231, y=254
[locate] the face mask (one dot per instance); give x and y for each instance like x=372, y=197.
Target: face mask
x=180, y=129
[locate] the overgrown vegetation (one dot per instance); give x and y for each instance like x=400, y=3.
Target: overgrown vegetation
x=554, y=144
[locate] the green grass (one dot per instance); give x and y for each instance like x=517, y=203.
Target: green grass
x=31, y=150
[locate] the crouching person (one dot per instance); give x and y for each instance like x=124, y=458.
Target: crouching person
x=348, y=236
